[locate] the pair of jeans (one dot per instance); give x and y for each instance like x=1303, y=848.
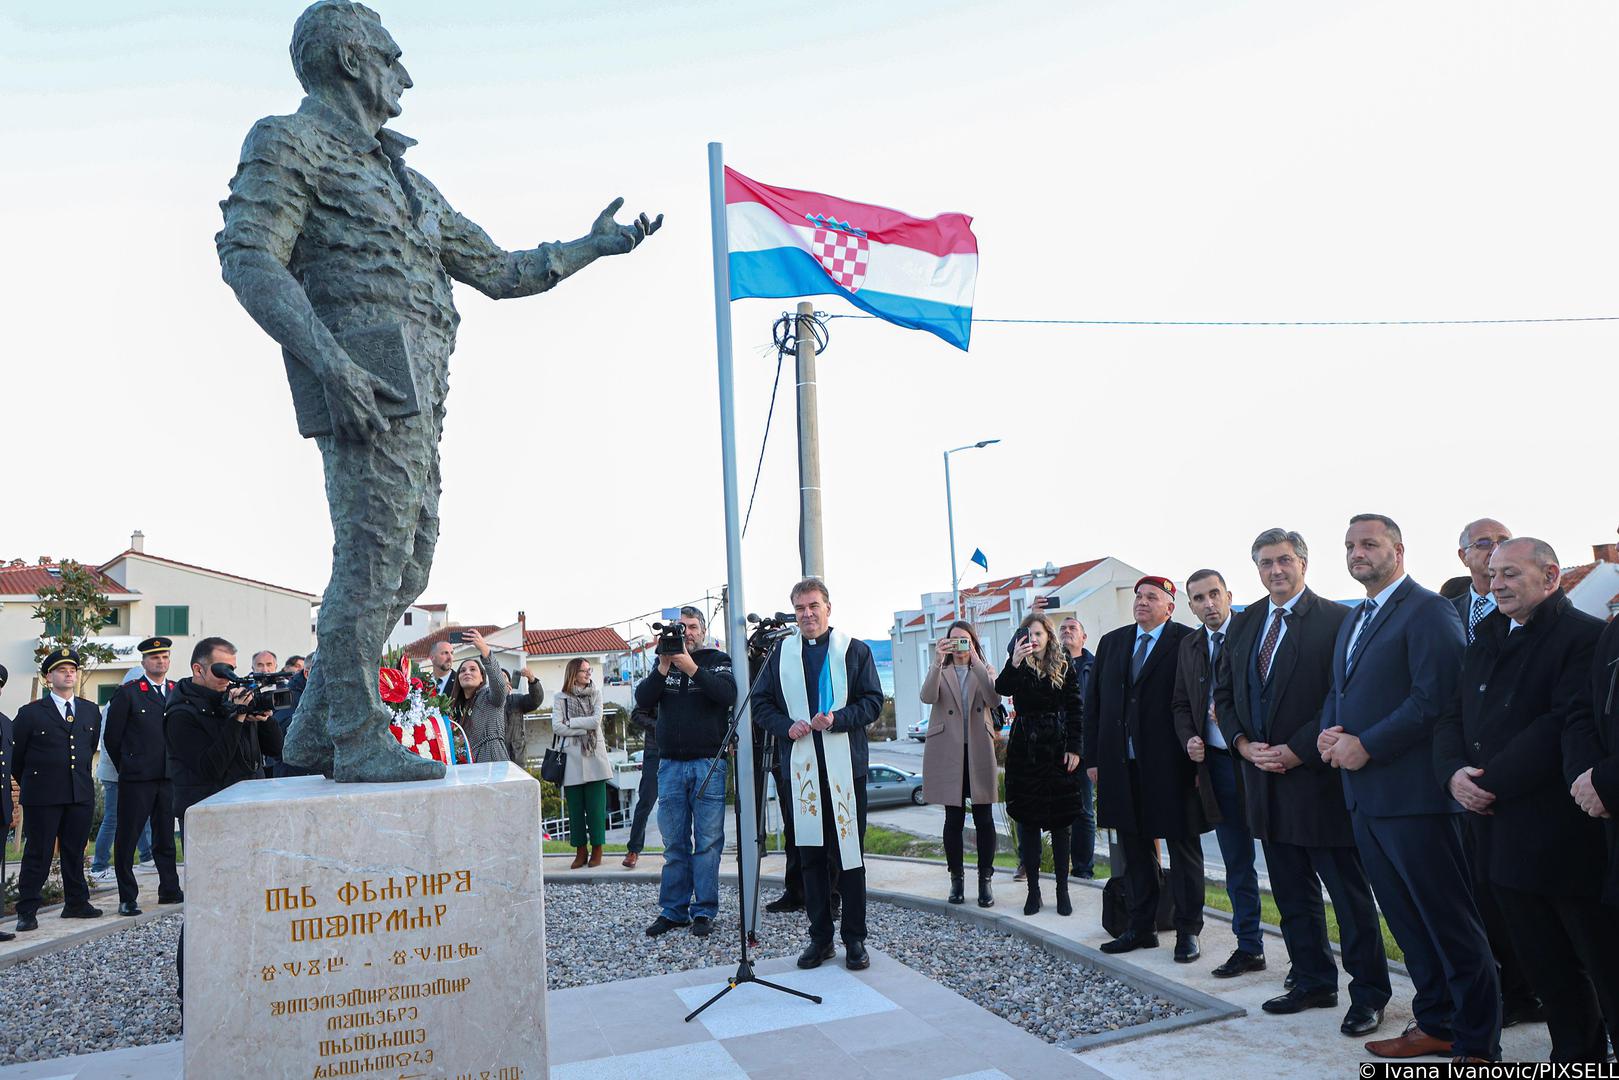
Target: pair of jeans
x=1084, y=828
x=587, y=813
x=693, y=828
x=1237, y=850
x=102, y=859
x=645, y=798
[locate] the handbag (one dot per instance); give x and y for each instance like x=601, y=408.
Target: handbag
x=554, y=766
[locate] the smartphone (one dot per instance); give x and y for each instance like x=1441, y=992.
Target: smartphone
x=1046, y=603
x=1021, y=636
x=456, y=637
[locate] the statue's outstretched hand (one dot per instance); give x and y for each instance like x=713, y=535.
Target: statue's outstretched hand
x=616, y=239
x=351, y=399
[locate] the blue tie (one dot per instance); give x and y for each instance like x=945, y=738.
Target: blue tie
x=1368, y=611
x=1143, y=643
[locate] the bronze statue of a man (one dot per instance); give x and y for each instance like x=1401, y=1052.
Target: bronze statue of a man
x=344, y=255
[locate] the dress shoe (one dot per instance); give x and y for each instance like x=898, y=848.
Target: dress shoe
x=1523, y=1012
x=1296, y=1000
x=662, y=925
x=580, y=854
x=1129, y=941
x=85, y=912
x=785, y=902
x=1361, y=1020
x=957, y=888
x=855, y=956
x=26, y=923
x=178, y=898
x=7, y=935
x=1020, y=874
x=702, y=926
x=128, y=908
x=630, y=859
x=1239, y=963
x=1186, y=948
x=986, y=898
x=814, y=954
x=1413, y=1042
x=1292, y=979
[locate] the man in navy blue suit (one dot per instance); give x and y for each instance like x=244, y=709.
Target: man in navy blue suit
x=1395, y=669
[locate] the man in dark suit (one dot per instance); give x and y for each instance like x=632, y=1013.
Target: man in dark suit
x=1498, y=750
x=54, y=740
x=135, y=743
x=5, y=788
x=1591, y=755
x=1219, y=786
x=1396, y=666
x=1145, y=784
x=1269, y=689
x=1071, y=632
x=1475, y=603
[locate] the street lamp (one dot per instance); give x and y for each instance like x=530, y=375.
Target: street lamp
x=950, y=517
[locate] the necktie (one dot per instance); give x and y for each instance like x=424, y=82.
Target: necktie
x=1143, y=643
x=1473, y=618
x=67, y=711
x=1267, y=648
x=1214, y=666
x=1368, y=611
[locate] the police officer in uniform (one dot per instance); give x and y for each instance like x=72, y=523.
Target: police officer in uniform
x=54, y=740
x=135, y=744
x=5, y=788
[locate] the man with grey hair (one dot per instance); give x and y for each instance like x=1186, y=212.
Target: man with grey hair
x=1269, y=687
x=692, y=692
x=1474, y=547
x=345, y=256
x=1498, y=751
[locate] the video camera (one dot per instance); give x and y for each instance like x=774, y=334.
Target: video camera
x=272, y=690
x=671, y=634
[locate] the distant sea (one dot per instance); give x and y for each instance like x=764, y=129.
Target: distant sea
x=882, y=652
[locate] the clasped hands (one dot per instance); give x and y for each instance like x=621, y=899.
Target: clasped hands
x=1341, y=750
x=821, y=721
x=1266, y=757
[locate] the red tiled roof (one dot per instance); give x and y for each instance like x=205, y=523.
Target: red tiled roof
x=421, y=648
x=1003, y=586
x=193, y=566
x=28, y=580
x=1573, y=575
x=601, y=639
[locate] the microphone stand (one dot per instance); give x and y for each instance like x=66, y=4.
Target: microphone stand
x=744, y=967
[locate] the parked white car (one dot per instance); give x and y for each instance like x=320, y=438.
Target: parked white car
x=918, y=730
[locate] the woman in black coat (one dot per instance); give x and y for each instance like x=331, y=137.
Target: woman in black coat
x=1042, y=755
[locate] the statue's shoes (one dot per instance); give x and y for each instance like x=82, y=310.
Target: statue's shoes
x=373, y=760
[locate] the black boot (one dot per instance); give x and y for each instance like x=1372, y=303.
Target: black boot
x=1059, y=858
x=1031, y=906
x=986, y=898
x=956, y=887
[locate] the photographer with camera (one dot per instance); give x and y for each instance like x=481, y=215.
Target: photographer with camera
x=693, y=691
x=217, y=729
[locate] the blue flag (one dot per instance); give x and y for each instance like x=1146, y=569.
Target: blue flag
x=980, y=558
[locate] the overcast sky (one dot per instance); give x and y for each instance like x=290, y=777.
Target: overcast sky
x=1130, y=160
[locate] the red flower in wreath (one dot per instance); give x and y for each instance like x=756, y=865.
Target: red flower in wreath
x=417, y=684
x=391, y=683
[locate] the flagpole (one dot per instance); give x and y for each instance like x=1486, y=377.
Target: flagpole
x=736, y=633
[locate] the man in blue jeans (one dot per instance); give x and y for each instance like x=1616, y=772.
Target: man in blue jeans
x=1072, y=634
x=692, y=691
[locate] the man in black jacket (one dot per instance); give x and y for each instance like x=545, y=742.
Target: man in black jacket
x=1071, y=632
x=820, y=708
x=1269, y=710
x=212, y=743
x=1591, y=755
x=1498, y=750
x=1145, y=784
x=5, y=788
x=693, y=692
x=134, y=741
x=54, y=740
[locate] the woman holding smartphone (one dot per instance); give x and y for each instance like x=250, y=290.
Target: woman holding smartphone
x=958, y=758
x=1042, y=754
x=478, y=702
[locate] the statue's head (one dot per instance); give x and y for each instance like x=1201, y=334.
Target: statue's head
x=340, y=49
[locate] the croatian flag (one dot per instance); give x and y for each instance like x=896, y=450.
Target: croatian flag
x=919, y=273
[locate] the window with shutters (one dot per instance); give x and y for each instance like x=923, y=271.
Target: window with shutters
x=173, y=620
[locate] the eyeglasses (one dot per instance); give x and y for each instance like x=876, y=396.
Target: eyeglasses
x=1485, y=543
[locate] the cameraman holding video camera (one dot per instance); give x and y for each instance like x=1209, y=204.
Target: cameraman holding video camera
x=693, y=691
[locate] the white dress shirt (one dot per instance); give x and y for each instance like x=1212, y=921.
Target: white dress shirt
x=1382, y=600
x=1214, y=737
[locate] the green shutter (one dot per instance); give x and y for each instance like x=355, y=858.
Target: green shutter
x=173, y=620
x=104, y=694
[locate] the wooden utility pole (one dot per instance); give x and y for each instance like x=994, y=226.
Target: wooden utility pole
x=811, y=550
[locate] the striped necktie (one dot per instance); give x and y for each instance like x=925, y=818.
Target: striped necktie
x=1368, y=611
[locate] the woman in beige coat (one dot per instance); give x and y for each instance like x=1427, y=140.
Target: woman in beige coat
x=576, y=719
x=958, y=758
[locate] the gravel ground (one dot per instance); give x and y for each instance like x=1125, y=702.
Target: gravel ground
x=118, y=990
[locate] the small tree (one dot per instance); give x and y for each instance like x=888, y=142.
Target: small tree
x=73, y=610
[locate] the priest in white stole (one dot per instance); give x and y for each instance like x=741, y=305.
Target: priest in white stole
x=818, y=695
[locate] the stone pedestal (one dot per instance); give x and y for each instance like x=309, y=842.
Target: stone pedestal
x=367, y=930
